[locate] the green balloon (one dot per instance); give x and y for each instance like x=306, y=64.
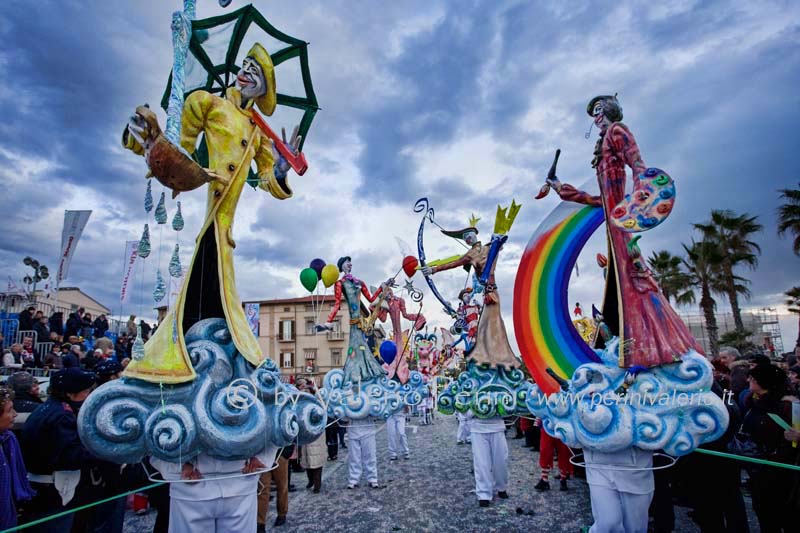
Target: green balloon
x=309, y=279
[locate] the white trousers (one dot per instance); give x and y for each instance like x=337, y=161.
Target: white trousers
x=490, y=462
x=396, y=434
x=361, y=455
x=463, y=430
x=618, y=512
x=236, y=514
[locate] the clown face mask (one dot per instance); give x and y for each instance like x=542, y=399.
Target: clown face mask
x=599, y=116
x=250, y=80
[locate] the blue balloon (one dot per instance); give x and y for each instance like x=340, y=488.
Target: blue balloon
x=388, y=351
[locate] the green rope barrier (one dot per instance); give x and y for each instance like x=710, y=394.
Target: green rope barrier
x=749, y=459
x=81, y=508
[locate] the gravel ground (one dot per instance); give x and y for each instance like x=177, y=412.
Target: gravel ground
x=433, y=491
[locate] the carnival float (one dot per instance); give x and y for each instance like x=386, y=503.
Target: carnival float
x=201, y=385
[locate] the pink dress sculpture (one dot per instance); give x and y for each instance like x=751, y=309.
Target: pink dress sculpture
x=634, y=308
x=395, y=308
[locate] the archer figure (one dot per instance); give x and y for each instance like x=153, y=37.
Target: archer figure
x=491, y=345
x=468, y=315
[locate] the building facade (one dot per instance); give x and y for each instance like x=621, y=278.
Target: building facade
x=69, y=299
x=287, y=335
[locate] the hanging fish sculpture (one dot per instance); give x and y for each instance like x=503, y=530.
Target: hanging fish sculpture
x=143, y=248
x=148, y=198
x=161, y=211
x=175, y=269
x=177, y=220
x=160, y=289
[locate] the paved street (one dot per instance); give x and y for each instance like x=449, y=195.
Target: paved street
x=433, y=492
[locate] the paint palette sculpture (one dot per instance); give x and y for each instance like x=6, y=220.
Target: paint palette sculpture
x=648, y=205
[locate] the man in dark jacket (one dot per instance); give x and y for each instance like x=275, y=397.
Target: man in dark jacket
x=26, y=319
x=74, y=323
x=41, y=329
x=53, y=452
x=100, y=326
x=69, y=359
x=57, y=323
x=26, y=392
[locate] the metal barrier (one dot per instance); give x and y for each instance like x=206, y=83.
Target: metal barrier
x=25, y=334
x=43, y=348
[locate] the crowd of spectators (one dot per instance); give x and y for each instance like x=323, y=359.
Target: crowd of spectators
x=50, y=343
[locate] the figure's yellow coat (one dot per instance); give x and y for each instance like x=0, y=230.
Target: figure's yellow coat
x=234, y=141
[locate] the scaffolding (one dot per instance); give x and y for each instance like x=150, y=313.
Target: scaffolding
x=763, y=324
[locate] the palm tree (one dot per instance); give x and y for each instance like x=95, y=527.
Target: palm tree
x=789, y=216
x=794, y=307
x=733, y=235
x=670, y=276
x=702, y=262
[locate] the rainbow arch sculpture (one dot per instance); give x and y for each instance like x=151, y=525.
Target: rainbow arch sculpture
x=542, y=319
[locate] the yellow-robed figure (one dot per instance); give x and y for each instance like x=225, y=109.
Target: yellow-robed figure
x=209, y=291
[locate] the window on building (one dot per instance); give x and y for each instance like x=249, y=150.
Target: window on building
x=337, y=326
x=287, y=309
x=309, y=308
x=310, y=353
x=287, y=330
x=287, y=360
x=310, y=326
x=336, y=357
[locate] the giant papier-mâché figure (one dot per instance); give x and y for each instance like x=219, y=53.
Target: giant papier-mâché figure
x=202, y=387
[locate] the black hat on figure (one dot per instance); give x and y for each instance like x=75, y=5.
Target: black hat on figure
x=341, y=261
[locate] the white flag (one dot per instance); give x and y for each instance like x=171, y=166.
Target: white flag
x=127, y=272
x=74, y=222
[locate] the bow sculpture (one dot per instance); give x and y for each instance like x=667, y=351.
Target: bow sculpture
x=422, y=206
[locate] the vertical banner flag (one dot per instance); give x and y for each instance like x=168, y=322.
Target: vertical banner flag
x=128, y=270
x=251, y=311
x=74, y=222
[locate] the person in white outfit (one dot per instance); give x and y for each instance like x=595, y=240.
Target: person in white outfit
x=396, y=435
x=422, y=409
x=620, y=496
x=430, y=404
x=489, y=458
x=222, y=506
x=463, y=427
x=361, y=456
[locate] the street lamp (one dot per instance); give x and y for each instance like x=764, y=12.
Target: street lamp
x=40, y=272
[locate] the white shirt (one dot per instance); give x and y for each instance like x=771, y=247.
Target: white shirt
x=637, y=478
x=211, y=467
x=486, y=425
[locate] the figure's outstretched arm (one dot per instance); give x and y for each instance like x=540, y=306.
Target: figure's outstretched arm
x=569, y=193
x=269, y=180
x=337, y=295
x=462, y=261
x=409, y=316
x=370, y=297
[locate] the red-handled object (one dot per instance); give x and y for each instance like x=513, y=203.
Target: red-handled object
x=296, y=161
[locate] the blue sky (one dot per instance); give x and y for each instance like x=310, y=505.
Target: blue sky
x=463, y=102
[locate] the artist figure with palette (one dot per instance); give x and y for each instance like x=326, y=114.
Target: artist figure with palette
x=650, y=331
x=634, y=309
